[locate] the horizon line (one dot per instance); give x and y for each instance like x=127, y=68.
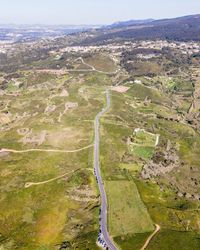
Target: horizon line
x=125, y=20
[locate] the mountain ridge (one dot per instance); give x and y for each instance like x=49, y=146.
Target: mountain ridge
x=186, y=28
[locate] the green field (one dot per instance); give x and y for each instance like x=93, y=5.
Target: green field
x=129, y=241
x=143, y=144
x=173, y=240
x=127, y=213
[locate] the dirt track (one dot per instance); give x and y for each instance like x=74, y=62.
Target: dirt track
x=151, y=237
x=29, y=184
x=44, y=150
x=64, y=71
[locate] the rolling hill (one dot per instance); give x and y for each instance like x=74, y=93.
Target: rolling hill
x=185, y=28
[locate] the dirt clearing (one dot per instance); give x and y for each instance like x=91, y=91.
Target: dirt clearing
x=120, y=89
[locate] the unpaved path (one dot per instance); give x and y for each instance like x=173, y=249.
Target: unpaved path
x=29, y=184
x=94, y=69
x=63, y=71
x=86, y=64
x=157, y=140
x=151, y=237
x=44, y=150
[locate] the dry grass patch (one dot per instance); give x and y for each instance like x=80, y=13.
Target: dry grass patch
x=67, y=138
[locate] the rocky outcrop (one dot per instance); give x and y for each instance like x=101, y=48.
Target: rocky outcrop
x=161, y=164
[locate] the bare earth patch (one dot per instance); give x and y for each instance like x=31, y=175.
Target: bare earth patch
x=34, y=138
x=64, y=93
x=3, y=154
x=52, y=71
x=64, y=138
x=121, y=89
x=83, y=194
x=23, y=131
x=50, y=109
x=71, y=105
x=4, y=118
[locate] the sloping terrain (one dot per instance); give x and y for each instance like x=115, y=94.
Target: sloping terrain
x=149, y=145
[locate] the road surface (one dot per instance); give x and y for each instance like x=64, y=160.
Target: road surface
x=103, y=213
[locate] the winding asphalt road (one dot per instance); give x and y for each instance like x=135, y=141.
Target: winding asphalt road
x=103, y=212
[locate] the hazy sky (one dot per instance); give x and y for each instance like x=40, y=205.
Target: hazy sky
x=91, y=11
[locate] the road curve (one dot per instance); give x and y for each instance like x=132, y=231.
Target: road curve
x=103, y=212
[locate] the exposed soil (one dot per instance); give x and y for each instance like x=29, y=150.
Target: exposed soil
x=161, y=163
x=121, y=89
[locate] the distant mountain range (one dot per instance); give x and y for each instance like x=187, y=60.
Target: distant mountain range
x=128, y=23
x=185, y=28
